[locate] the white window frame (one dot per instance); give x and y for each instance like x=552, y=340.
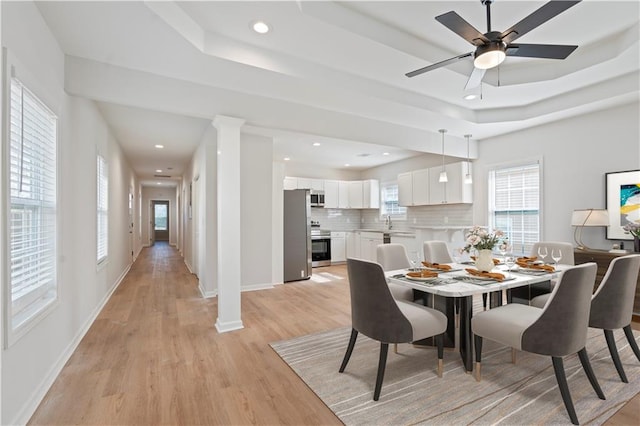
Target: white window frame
x=36, y=299
x=102, y=210
x=399, y=212
x=520, y=245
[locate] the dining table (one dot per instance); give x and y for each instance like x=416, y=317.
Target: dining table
x=455, y=288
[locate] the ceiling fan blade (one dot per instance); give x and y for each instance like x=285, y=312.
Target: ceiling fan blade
x=536, y=19
x=475, y=78
x=549, y=51
x=439, y=64
x=455, y=23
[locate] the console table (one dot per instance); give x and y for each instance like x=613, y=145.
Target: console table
x=603, y=258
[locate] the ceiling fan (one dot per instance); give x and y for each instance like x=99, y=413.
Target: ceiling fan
x=492, y=47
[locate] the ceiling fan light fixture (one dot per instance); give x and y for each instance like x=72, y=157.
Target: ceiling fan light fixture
x=489, y=55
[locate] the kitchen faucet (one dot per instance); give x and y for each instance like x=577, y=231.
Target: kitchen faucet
x=388, y=222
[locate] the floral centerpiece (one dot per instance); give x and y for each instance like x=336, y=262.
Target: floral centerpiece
x=633, y=228
x=480, y=239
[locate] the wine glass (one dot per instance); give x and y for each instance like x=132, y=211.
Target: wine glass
x=510, y=261
x=414, y=259
x=456, y=255
x=503, y=248
x=542, y=253
x=556, y=255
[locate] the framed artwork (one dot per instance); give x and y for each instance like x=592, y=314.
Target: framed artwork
x=623, y=202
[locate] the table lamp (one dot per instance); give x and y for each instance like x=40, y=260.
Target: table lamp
x=587, y=217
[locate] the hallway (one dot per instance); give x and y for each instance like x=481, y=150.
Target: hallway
x=153, y=356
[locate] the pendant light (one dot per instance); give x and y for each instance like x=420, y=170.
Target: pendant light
x=467, y=177
x=443, y=174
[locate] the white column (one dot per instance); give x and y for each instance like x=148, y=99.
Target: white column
x=228, y=223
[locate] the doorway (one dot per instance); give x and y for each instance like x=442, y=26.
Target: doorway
x=160, y=220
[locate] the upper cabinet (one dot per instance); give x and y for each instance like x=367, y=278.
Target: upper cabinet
x=340, y=194
x=413, y=188
x=422, y=187
x=454, y=191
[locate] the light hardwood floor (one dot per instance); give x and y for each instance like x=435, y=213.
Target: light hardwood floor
x=153, y=356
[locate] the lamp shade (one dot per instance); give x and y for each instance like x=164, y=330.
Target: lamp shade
x=590, y=217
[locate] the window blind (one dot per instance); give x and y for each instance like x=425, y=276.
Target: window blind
x=389, y=204
x=102, y=209
x=514, y=203
x=32, y=216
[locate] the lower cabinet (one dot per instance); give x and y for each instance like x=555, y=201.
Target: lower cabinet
x=338, y=247
x=352, y=240
x=369, y=242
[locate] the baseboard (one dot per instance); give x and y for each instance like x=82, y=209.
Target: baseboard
x=207, y=294
x=229, y=326
x=254, y=287
x=23, y=416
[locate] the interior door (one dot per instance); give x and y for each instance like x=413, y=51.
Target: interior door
x=160, y=220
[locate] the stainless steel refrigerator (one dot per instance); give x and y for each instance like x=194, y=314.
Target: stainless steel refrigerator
x=297, y=235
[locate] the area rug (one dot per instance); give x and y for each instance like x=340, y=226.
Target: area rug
x=522, y=394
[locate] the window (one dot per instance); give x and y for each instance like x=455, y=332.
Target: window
x=103, y=209
x=514, y=204
x=160, y=215
x=389, y=202
x=32, y=218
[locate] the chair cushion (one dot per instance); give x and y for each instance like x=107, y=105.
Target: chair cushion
x=505, y=324
x=426, y=322
x=400, y=292
x=540, y=301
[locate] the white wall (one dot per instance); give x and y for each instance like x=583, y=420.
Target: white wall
x=576, y=154
x=31, y=364
x=256, y=174
x=152, y=193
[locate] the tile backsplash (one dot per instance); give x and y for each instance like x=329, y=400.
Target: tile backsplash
x=346, y=219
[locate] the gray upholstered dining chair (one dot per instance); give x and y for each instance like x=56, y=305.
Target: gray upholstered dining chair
x=612, y=305
x=391, y=257
x=557, y=330
x=377, y=315
x=436, y=252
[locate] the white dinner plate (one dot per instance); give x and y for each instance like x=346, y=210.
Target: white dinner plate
x=422, y=279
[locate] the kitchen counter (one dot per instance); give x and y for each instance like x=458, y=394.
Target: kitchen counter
x=441, y=227
x=384, y=231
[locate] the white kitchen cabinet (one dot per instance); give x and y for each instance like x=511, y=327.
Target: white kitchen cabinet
x=317, y=184
x=304, y=183
x=405, y=189
x=356, y=198
x=371, y=194
x=290, y=183
x=330, y=194
x=343, y=194
x=369, y=242
x=452, y=191
x=352, y=244
x=413, y=188
x=338, y=247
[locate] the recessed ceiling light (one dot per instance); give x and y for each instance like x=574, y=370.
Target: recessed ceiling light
x=385, y=153
x=260, y=27
x=159, y=183
x=347, y=165
x=158, y=171
x=469, y=97
x=287, y=158
x=316, y=144
x=159, y=146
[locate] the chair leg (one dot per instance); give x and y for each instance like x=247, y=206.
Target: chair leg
x=484, y=301
x=347, y=355
x=513, y=355
x=395, y=348
x=440, y=343
x=632, y=340
x=384, y=348
x=586, y=365
x=558, y=368
x=477, y=340
x=611, y=343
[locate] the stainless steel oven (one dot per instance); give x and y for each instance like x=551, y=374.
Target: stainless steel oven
x=320, y=248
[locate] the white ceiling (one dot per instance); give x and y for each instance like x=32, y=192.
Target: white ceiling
x=333, y=73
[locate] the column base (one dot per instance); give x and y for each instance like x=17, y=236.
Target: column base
x=228, y=326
